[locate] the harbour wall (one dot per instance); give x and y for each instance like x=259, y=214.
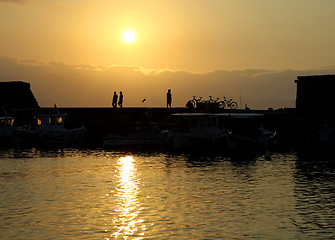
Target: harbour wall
x=293, y=129
x=100, y=121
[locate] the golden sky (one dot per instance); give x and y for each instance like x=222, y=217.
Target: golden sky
x=191, y=35
x=195, y=36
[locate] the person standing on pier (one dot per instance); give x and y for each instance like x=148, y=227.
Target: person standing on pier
x=114, y=103
x=120, y=99
x=168, y=99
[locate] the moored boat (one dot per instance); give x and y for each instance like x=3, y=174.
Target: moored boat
x=139, y=134
x=247, y=131
x=198, y=131
x=221, y=131
x=6, y=128
x=8, y=134
x=48, y=129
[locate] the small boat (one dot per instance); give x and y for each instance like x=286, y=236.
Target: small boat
x=260, y=139
x=198, y=131
x=7, y=129
x=323, y=139
x=247, y=131
x=48, y=129
x=139, y=134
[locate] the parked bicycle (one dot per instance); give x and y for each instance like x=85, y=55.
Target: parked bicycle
x=211, y=100
x=208, y=104
x=211, y=103
x=228, y=103
x=193, y=103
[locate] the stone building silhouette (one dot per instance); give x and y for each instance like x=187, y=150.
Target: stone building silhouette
x=16, y=95
x=316, y=94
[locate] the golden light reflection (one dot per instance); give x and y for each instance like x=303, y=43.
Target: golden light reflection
x=127, y=222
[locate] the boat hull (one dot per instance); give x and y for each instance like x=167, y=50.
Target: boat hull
x=237, y=142
x=157, y=140
x=45, y=137
x=189, y=141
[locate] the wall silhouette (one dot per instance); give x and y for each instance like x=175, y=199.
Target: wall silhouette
x=315, y=93
x=16, y=95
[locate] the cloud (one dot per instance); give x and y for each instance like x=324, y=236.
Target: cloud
x=89, y=86
x=14, y=1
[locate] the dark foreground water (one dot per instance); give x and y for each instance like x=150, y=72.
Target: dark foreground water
x=99, y=194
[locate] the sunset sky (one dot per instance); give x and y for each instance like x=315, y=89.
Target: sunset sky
x=194, y=37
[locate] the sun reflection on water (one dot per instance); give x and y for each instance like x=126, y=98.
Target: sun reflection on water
x=126, y=222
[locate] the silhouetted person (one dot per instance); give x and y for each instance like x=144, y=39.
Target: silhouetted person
x=120, y=99
x=168, y=98
x=114, y=100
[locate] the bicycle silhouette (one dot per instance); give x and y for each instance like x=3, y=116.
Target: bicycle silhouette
x=211, y=103
x=195, y=101
x=227, y=103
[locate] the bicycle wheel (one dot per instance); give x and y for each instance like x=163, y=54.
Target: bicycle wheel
x=233, y=105
x=222, y=104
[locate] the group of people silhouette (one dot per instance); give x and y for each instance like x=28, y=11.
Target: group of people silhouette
x=115, y=101
x=115, y=98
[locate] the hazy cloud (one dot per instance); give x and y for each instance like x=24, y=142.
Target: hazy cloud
x=86, y=85
x=14, y=1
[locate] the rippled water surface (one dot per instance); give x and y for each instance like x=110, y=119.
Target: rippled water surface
x=99, y=194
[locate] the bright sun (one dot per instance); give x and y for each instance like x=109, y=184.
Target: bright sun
x=128, y=36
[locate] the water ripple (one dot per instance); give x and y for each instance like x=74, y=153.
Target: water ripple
x=98, y=194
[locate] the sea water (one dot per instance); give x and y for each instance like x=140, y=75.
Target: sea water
x=104, y=194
